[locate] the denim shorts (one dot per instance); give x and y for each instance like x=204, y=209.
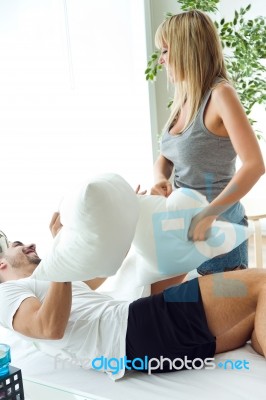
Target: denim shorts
x=229, y=261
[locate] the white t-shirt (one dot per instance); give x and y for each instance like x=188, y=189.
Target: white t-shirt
x=97, y=325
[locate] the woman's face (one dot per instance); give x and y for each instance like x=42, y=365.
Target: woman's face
x=163, y=60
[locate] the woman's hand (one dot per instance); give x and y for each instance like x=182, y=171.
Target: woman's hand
x=200, y=226
x=162, y=188
x=55, y=224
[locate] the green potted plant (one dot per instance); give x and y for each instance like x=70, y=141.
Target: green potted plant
x=244, y=42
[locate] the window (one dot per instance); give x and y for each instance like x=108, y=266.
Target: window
x=73, y=101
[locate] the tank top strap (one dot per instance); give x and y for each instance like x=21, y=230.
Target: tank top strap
x=202, y=106
x=205, y=99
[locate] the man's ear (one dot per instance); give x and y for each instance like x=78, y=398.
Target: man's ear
x=3, y=263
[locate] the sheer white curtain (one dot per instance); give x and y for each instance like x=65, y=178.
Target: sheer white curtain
x=73, y=103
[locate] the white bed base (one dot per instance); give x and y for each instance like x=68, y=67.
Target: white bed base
x=216, y=384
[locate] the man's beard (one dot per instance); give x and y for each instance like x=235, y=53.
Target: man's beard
x=31, y=260
x=35, y=261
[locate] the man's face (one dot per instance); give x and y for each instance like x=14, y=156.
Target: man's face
x=20, y=256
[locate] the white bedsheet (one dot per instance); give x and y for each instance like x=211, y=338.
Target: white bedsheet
x=217, y=384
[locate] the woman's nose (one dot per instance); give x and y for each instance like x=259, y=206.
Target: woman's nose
x=161, y=60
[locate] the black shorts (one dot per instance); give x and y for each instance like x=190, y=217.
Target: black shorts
x=172, y=325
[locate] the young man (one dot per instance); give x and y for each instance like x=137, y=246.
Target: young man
x=196, y=319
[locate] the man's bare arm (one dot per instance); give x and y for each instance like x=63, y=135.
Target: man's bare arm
x=95, y=283
x=47, y=320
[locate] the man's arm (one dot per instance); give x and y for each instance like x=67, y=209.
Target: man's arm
x=47, y=320
x=95, y=283
x=55, y=224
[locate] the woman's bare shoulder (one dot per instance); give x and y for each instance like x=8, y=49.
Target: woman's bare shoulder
x=223, y=89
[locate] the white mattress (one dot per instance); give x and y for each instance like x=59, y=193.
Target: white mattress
x=213, y=384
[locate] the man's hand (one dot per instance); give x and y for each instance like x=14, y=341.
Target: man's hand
x=138, y=191
x=55, y=224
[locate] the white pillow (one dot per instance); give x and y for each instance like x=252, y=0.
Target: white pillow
x=99, y=222
x=161, y=239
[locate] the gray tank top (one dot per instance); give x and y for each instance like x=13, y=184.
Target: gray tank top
x=202, y=161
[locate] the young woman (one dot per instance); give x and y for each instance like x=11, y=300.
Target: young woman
x=206, y=131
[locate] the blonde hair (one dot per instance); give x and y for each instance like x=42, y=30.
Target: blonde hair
x=195, y=59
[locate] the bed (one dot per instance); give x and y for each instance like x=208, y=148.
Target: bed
x=219, y=383
x=239, y=374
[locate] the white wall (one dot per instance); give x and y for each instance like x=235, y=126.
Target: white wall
x=73, y=103
x=156, y=13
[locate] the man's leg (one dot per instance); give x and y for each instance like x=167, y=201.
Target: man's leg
x=159, y=287
x=259, y=334
x=255, y=344
x=235, y=304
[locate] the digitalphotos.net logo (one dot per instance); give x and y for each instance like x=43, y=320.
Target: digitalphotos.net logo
x=152, y=365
